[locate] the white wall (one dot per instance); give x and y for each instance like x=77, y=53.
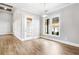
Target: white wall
x=5, y=23
x=36, y=26
x=19, y=24
x=69, y=24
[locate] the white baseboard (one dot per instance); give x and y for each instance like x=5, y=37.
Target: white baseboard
x=30, y=38
x=5, y=33
x=18, y=37
x=65, y=42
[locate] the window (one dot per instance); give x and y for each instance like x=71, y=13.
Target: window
x=55, y=26
x=51, y=26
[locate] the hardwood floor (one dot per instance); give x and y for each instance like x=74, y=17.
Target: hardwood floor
x=10, y=45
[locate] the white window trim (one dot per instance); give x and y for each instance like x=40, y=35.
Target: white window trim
x=52, y=16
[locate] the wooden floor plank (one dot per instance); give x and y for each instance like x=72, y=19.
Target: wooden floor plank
x=10, y=45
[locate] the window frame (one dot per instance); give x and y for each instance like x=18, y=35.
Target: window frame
x=50, y=27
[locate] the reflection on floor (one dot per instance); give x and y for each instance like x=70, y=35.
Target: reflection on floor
x=10, y=45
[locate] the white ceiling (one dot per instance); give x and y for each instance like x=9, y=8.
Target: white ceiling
x=38, y=8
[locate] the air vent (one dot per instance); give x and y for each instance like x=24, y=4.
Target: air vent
x=2, y=8
x=6, y=7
